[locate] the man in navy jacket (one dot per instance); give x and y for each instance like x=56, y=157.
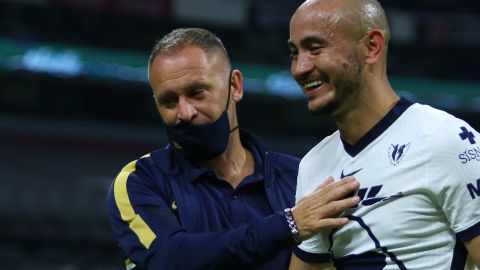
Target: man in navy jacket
x=215, y=197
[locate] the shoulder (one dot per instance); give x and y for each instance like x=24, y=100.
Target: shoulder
x=429, y=117
x=131, y=178
x=426, y=115
x=135, y=172
x=279, y=160
x=449, y=146
x=283, y=161
x=139, y=181
x=438, y=127
x=142, y=172
x=145, y=165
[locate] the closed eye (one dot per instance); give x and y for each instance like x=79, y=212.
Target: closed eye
x=196, y=94
x=315, y=48
x=197, y=91
x=168, y=100
x=314, y=44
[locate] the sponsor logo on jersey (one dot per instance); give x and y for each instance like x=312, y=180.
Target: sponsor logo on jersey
x=474, y=189
x=342, y=175
x=469, y=155
x=349, y=174
x=467, y=135
x=396, y=152
x=368, y=195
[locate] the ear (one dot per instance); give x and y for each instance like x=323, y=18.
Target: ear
x=236, y=85
x=375, y=46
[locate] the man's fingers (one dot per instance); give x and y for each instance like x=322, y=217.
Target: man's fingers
x=336, y=184
x=332, y=222
x=335, y=207
x=322, y=224
x=329, y=180
x=318, y=210
x=336, y=190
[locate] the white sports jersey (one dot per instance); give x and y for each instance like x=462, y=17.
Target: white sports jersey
x=419, y=174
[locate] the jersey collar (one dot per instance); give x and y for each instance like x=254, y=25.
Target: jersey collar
x=377, y=130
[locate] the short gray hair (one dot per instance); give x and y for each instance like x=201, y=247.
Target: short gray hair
x=180, y=38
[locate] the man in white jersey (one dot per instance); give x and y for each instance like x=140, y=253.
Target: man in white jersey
x=418, y=167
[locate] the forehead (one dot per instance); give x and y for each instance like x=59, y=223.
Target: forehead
x=315, y=21
x=181, y=67
x=181, y=61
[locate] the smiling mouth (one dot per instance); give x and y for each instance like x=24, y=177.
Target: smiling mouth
x=312, y=85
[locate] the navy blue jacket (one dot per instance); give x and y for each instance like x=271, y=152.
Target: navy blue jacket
x=160, y=221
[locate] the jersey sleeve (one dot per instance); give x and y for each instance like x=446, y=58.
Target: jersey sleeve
x=454, y=170
x=315, y=249
x=146, y=226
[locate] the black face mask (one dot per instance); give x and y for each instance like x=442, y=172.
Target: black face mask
x=202, y=142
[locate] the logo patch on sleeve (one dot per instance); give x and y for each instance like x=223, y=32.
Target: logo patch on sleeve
x=467, y=134
x=469, y=155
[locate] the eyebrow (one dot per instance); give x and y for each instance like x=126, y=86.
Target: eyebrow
x=197, y=85
x=170, y=93
x=165, y=95
x=305, y=42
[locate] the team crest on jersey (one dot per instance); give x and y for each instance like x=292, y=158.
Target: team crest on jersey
x=396, y=152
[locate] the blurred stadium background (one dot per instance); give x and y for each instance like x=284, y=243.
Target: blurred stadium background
x=75, y=105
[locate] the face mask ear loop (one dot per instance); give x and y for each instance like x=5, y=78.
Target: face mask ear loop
x=229, y=86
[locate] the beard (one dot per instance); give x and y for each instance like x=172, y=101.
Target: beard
x=346, y=84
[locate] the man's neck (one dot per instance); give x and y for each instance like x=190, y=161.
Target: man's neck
x=235, y=163
x=364, y=114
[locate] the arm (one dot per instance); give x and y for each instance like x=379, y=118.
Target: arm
x=458, y=182
x=314, y=212
x=313, y=251
x=473, y=247
x=298, y=264
x=150, y=234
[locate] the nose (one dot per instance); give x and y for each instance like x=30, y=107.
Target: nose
x=301, y=65
x=186, y=111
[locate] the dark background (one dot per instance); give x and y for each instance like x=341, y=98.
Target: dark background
x=75, y=106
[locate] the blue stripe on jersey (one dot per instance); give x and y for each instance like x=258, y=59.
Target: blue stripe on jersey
x=377, y=130
x=459, y=258
x=470, y=233
x=369, y=260
x=311, y=257
x=377, y=243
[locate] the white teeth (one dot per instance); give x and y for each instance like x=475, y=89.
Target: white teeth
x=313, y=84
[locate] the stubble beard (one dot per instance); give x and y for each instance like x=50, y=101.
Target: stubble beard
x=346, y=85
